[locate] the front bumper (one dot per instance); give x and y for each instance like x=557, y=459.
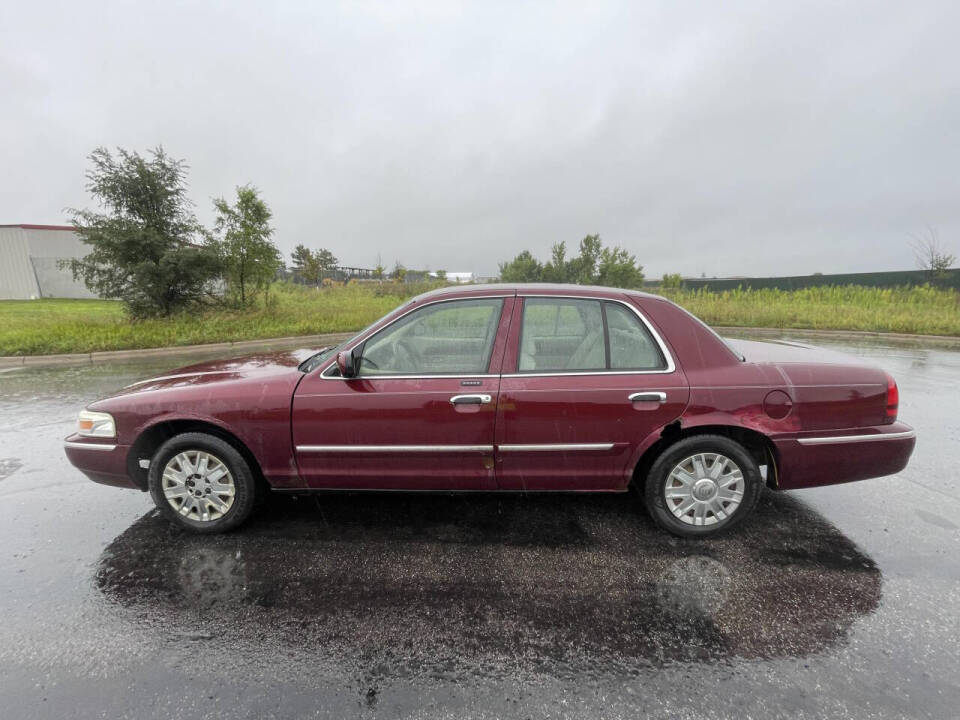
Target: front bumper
x=840, y=456
x=102, y=461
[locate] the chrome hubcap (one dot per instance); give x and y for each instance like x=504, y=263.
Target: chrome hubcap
x=704, y=489
x=198, y=485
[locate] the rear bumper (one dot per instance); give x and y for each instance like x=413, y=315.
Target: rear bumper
x=102, y=462
x=830, y=458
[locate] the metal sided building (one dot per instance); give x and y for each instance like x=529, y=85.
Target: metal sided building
x=30, y=258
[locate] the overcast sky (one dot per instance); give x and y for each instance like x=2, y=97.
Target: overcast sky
x=720, y=138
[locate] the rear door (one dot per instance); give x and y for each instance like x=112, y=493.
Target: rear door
x=420, y=415
x=585, y=381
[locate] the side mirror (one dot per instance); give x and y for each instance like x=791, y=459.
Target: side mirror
x=346, y=365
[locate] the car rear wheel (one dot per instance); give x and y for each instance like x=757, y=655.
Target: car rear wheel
x=202, y=483
x=702, y=485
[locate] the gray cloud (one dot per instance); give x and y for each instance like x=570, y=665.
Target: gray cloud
x=747, y=138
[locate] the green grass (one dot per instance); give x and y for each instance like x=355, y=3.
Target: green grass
x=35, y=327
x=39, y=327
x=916, y=310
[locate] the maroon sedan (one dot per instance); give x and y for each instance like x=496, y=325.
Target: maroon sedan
x=504, y=388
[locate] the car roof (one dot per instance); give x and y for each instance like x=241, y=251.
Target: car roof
x=529, y=289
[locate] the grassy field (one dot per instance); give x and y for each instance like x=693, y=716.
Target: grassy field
x=916, y=310
x=35, y=327
x=39, y=327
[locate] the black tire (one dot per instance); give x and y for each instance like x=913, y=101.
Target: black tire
x=656, y=481
x=244, y=481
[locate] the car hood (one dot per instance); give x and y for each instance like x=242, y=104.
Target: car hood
x=260, y=366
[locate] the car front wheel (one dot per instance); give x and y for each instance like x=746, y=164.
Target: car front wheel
x=702, y=485
x=202, y=483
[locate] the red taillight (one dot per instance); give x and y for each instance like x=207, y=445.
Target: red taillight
x=893, y=398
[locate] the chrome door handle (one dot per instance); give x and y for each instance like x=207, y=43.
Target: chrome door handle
x=660, y=397
x=470, y=399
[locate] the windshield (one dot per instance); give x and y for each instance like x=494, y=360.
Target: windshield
x=318, y=358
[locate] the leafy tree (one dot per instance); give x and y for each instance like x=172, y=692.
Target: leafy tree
x=618, y=268
x=250, y=259
x=557, y=270
x=672, y=281
x=399, y=272
x=311, y=269
x=583, y=268
x=594, y=265
x=523, y=268
x=326, y=262
x=442, y=275
x=147, y=248
x=313, y=265
x=301, y=257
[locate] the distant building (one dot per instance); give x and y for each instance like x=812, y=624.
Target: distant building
x=456, y=277
x=30, y=258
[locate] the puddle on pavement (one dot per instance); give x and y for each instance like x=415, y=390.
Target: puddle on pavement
x=8, y=466
x=935, y=519
x=487, y=582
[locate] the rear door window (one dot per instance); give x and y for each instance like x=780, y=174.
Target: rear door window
x=561, y=334
x=632, y=347
x=583, y=335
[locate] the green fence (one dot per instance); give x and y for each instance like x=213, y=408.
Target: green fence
x=896, y=278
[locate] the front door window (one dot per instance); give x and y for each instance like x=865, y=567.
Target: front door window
x=448, y=338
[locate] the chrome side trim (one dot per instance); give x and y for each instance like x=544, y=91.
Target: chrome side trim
x=555, y=447
x=370, y=378
x=668, y=358
x=843, y=439
x=176, y=377
x=394, y=448
x=587, y=372
x=89, y=446
x=551, y=447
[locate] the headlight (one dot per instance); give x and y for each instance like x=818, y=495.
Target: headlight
x=96, y=424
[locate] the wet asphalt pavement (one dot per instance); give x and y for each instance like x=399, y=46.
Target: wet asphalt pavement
x=834, y=602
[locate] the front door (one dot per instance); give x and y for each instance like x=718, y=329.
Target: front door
x=584, y=383
x=420, y=415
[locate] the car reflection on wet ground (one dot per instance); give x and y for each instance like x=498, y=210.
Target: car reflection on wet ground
x=452, y=582
x=838, y=601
